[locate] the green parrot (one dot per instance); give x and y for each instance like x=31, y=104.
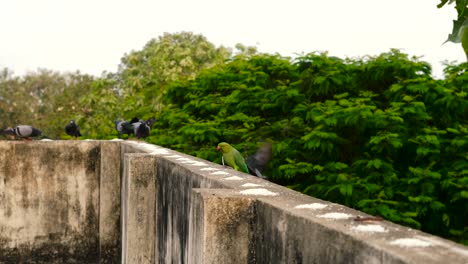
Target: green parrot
x=232, y=157
x=254, y=164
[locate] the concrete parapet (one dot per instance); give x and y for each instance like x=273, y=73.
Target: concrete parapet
x=284, y=226
x=139, y=207
x=220, y=227
x=132, y=202
x=109, y=203
x=49, y=202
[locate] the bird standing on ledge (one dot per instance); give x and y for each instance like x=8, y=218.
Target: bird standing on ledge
x=22, y=131
x=125, y=127
x=232, y=157
x=73, y=129
x=142, y=128
x=254, y=164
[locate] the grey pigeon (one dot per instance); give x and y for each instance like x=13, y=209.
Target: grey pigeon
x=125, y=127
x=73, y=129
x=142, y=128
x=22, y=131
x=258, y=161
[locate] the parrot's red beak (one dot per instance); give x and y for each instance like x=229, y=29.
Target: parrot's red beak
x=218, y=148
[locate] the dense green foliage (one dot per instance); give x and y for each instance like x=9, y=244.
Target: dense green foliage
x=376, y=133
x=143, y=75
x=45, y=99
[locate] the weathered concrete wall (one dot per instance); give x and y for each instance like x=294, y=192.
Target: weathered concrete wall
x=49, y=201
x=221, y=229
x=206, y=213
x=60, y=202
x=174, y=197
x=110, y=203
x=131, y=202
x=139, y=230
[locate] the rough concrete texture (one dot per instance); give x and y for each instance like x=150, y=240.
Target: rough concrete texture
x=220, y=227
x=109, y=207
x=285, y=237
x=315, y=232
x=49, y=202
x=173, y=209
x=60, y=203
x=139, y=227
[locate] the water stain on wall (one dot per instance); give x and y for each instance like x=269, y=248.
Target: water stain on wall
x=49, y=203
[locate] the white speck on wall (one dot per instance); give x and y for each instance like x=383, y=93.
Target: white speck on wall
x=219, y=173
x=258, y=191
x=160, y=151
x=250, y=185
x=313, y=206
x=199, y=163
x=437, y=241
x=185, y=162
x=410, y=242
x=335, y=216
x=459, y=251
x=148, y=147
x=46, y=139
x=370, y=228
x=208, y=169
x=234, y=178
x=174, y=156
x=116, y=139
x=184, y=159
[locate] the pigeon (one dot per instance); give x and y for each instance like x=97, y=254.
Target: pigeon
x=142, y=128
x=73, y=129
x=22, y=131
x=258, y=161
x=125, y=127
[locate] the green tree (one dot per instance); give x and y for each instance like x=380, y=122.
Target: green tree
x=378, y=134
x=28, y=100
x=143, y=75
x=8, y=86
x=99, y=108
x=67, y=104
x=44, y=99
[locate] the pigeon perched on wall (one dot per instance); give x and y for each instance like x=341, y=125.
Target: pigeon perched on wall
x=258, y=161
x=125, y=127
x=254, y=164
x=22, y=131
x=73, y=129
x=142, y=128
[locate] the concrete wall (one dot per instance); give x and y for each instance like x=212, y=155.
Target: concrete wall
x=206, y=213
x=131, y=202
x=58, y=203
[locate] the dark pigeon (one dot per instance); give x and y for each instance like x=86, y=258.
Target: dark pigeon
x=258, y=161
x=125, y=127
x=22, y=131
x=142, y=128
x=73, y=129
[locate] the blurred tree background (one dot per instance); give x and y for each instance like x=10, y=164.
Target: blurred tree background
x=376, y=133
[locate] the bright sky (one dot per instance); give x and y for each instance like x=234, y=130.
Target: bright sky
x=92, y=35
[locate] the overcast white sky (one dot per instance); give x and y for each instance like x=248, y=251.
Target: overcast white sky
x=92, y=35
